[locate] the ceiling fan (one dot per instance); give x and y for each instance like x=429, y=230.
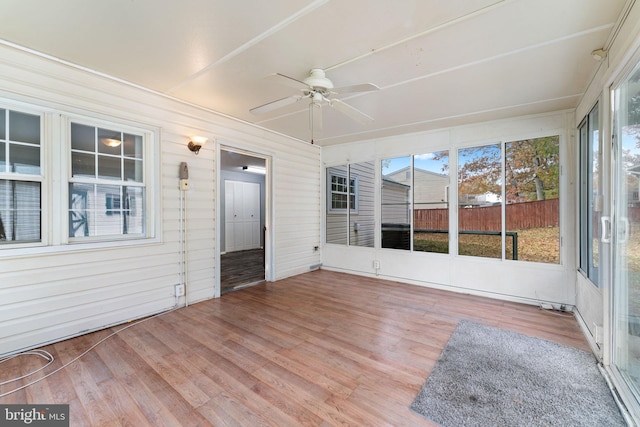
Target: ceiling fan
x=320, y=91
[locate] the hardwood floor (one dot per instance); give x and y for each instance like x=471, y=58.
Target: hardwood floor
x=319, y=349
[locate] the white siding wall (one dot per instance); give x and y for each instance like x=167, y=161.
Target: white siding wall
x=50, y=293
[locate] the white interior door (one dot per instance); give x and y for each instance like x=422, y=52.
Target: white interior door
x=242, y=215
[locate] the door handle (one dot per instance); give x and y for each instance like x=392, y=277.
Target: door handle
x=624, y=232
x=605, y=221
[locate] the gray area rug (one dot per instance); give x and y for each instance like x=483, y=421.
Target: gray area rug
x=491, y=377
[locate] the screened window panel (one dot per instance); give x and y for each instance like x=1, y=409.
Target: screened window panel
x=479, y=201
x=396, y=203
x=361, y=195
x=336, y=218
x=431, y=202
x=532, y=211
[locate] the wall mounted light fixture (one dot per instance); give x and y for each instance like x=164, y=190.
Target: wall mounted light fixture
x=254, y=169
x=196, y=143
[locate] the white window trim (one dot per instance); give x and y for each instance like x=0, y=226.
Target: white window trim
x=55, y=172
x=330, y=192
x=41, y=177
x=151, y=180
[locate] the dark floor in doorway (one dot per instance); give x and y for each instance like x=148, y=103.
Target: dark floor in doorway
x=240, y=268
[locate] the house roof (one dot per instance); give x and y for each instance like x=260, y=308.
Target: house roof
x=437, y=64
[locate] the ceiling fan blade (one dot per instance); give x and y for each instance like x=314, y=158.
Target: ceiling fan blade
x=273, y=105
x=288, y=81
x=350, y=111
x=315, y=117
x=364, y=87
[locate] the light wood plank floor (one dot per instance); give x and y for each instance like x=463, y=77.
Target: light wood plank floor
x=319, y=349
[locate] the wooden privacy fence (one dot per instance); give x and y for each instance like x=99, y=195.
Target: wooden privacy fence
x=543, y=213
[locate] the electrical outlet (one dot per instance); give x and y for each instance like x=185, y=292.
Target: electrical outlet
x=376, y=264
x=179, y=290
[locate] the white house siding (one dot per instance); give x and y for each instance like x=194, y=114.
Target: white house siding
x=52, y=292
x=506, y=279
x=365, y=218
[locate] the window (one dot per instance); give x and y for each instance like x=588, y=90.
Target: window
x=107, y=186
x=20, y=177
x=396, y=203
x=529, y=183
x=353, y=226
x=590, y=209
x=431, y=202
x=480, y=201
x=340, y=193
x=532, y=210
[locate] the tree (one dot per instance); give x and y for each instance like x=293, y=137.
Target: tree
x=532, y=168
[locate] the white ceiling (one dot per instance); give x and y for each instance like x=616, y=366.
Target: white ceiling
x=438, y=63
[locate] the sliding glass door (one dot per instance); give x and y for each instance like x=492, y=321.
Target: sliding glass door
x=626, y=232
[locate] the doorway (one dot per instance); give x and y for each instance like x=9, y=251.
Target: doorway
x=243, y=179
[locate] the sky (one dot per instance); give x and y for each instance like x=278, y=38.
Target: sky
x=421, y=161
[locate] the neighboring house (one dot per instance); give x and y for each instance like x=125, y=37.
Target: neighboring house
x=430, y=189
x=476, y=200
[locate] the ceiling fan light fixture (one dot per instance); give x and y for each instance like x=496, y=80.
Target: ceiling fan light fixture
x=318, y=80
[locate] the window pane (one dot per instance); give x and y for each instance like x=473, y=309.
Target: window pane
x=3, y=157
x=133, y=170
x=24, y=127
x=133, y=146
x=83, y=137
x=24, y=159
x=595, y=208
x=19, y=211
x=109, y=142
x=80, y=216
x=83, y=165
x=133, y=210
x=361, y=194
x=109, y=167
x=336, y=227
x=99, y=209
x=3, y=124
x=532, y=169
x=396, y=203
x=431, y=202
x=626, y=237
x=479, y=201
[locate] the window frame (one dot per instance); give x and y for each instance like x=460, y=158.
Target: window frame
x=330, y=192
x=149, y=177
x=40, y=178
x=55, y=173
